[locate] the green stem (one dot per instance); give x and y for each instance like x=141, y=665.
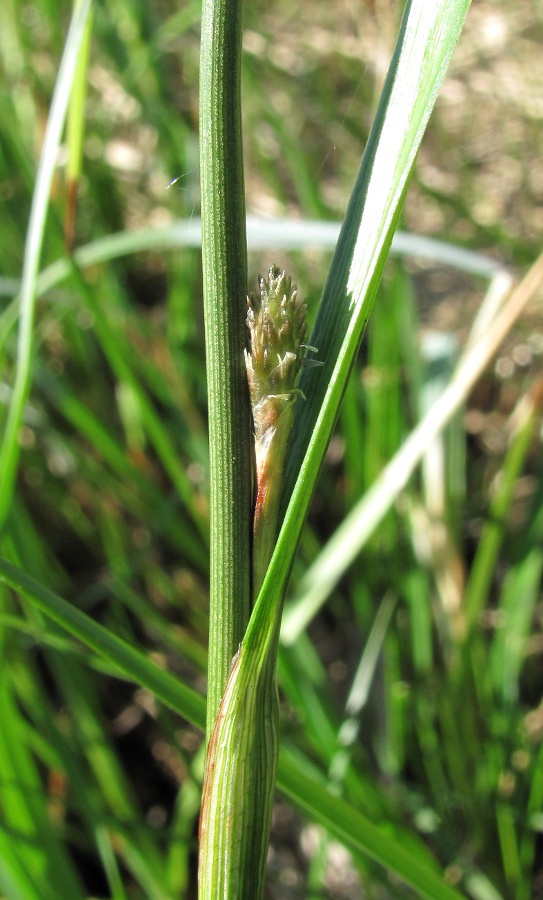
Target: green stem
x=224, y=257
x=240, y=779
x=242, y=752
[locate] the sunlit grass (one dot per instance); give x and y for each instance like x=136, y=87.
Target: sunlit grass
x=433, y=736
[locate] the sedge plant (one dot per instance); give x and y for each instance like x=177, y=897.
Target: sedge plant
x=243, y=727
x=270, y=418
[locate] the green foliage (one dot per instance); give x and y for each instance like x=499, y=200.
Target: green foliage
x=411, y=734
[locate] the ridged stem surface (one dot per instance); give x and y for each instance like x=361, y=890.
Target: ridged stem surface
x=224, y=259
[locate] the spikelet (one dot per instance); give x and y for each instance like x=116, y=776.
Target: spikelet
x=276, y=318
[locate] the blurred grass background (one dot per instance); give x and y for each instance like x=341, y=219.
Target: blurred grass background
x=437, y=738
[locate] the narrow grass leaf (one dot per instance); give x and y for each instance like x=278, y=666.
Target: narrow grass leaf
x=25, y=813
x=128, y=660
x=262, y=234
x=9, y=452
x=484, y=564
x=358, y=834
x=355, y=529
x=75, y=132
x=338, y=816
x=428, y=35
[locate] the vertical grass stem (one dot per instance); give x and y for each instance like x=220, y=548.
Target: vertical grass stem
x=224, y=258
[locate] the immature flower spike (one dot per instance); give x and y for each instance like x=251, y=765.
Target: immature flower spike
x=276, y=322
